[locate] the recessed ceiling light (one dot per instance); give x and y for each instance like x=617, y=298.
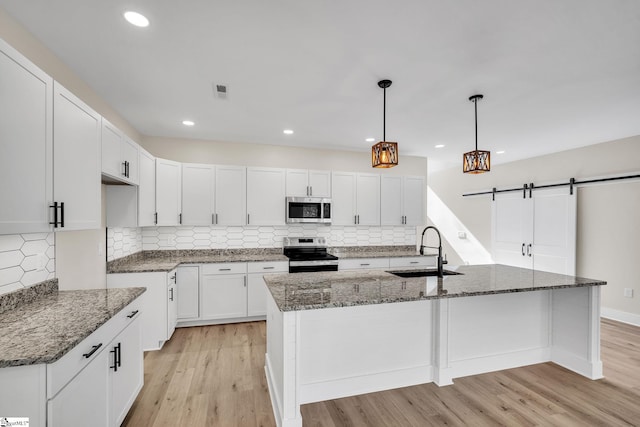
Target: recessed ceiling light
x=287, y=132
x=440, y=146
x=135, y=18
x=500, y=152
x=370, y=139
x=188, y=123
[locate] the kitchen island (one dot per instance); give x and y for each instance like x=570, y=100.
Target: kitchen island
x=337, y=334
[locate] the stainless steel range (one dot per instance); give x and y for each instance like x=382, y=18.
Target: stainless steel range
x=309, y=254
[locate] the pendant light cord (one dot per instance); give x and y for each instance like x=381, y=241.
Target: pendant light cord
x=475, y=103
x=384, y=114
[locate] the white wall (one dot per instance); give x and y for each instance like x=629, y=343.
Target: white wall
x=608, y=214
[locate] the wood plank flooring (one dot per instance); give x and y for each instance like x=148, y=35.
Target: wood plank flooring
x=214, y=376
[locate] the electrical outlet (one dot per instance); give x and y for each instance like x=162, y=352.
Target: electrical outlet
x=628, y=292
x=462, y=235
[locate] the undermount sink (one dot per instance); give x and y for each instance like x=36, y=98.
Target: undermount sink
x=422, y=273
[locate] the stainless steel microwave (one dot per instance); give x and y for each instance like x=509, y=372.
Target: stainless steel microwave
x=308, y=209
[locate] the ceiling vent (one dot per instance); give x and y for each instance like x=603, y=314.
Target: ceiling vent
x=220, y=91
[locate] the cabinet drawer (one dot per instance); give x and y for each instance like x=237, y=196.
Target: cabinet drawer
x=268, y=267
x=416, y=261
x=64, y=369
x=224, y=268
x=363, y=263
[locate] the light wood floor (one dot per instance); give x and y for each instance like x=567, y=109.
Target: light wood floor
x=214, y=376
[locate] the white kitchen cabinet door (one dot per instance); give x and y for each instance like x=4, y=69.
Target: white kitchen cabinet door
x=343, y=198
x=297, y=182
x=119, y=154
x=197, y=194
x=223, y=296
x=308, y=183
x=168, y=189
x=413, y=200
x=368, y=199
x=257, y=291
x=391, y=209
x=127, y=378
x=84, y=401
x=320, y=183
x=172, y=304
x=112, y=163
x=26, y=144
x=265, y=196
x=188, y=292
x=147, y=190
x=130, y=155
x=536, y=232
x=76, y=161
x=231, y=195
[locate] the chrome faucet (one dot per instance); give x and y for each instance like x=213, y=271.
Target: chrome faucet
x=439, y=248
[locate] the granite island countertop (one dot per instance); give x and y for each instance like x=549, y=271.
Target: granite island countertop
x=309, y=291
x=45, y=328
x=167, y=260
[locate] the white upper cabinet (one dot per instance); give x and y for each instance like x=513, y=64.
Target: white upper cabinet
x=76, y=162
x=403, y=200
x=119, y=155
x=146, y=190
x=168, y=192
x=265, y=196
x=231, y=195
x=355, y=198
x=368, y=199
x=26, y=114
x=307, y=183
x=198, y=194
x=343, y=198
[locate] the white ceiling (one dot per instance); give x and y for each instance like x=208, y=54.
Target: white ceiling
x=555, y=74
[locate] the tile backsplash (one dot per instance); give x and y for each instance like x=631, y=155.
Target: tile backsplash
x=126, y=241
x=26, y=259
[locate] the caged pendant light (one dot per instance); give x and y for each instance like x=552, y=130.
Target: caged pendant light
x=476, y=161
x=384, y=154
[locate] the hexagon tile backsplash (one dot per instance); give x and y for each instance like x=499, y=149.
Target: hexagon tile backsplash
x=26, y=259
x=126, y=241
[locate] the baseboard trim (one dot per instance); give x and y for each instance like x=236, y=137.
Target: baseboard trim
x=620, y=316
x=207, y=322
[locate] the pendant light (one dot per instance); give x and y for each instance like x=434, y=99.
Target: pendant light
x=476, y=161
x=384, y=154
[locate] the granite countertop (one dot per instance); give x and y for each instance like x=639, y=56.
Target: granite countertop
x=347, y=252
x=308, y=291
x=45, y=328
x=165, y=261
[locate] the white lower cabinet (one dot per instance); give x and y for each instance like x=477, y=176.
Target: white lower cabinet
x=257, y=289
x=188, y=283
x=159, y=304
x=94, y=384
x=223, y=291
x=127, y=377
x=362, y=263
x=84, y=401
